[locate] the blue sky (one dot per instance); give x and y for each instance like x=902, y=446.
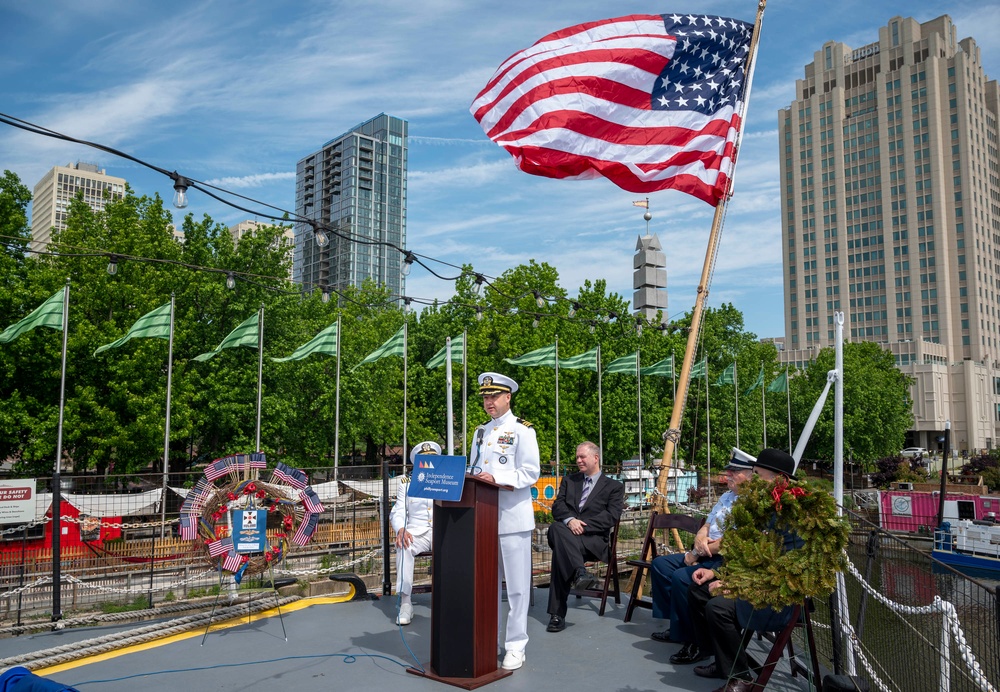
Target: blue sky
x=234, y=93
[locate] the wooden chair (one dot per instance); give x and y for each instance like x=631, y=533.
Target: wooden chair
x=657, y=521
x=783, y=640
x=610, y=575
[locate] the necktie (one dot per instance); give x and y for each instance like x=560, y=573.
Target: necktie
x=586, y=491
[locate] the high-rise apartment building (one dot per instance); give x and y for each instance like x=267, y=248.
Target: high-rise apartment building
x=54, y=191
x=356, y=184
x=249, y=227
x=890, y=205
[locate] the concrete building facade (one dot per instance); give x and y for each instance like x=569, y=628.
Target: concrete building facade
x=355, y=184
x=53, y=193
x=890, y=201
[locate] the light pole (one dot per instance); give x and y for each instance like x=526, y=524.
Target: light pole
x=944, y=471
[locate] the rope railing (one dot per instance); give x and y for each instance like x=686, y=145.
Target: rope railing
x=951, y=625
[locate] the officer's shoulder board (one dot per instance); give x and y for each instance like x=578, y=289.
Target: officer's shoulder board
x=404, y=479
x=525, y=423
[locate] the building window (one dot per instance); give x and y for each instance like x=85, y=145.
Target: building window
x=895, y=33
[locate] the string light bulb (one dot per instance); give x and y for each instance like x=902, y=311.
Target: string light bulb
x=180, y=190
x=478, y=286
x=326, y=296
x=573, y=308
x=534, y=323
x=113, y=265
x=479, y=314
x=407, y=263
x=322, y=239
x=538, y=299
x=230, y=281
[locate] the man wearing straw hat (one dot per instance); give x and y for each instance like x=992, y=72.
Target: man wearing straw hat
x=506, y=452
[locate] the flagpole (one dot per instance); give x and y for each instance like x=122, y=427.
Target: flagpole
x=465, y=396
x=557, y=410
x=788, y=401
x=336, y=415
x=56, y=481
x=708, y=432
x=672, y=434
x=673, y=374
x=260, y=366
x=166, y=435
x=406, y=323
x=449, y=415
x=763, y=406
x=736, y=395
x=600, y=405
x=638, y=405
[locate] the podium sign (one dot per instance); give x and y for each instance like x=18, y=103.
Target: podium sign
x=437, y=477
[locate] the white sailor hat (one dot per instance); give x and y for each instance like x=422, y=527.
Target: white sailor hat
x=740, y=461
x=424, y=448
x=495, y=383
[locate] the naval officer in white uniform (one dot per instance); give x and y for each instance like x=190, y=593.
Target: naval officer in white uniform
x=506, y=452
x=411, y=519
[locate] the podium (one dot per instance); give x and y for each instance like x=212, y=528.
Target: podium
x=464, y=614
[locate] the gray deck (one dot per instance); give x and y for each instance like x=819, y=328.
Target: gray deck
x=593, y=653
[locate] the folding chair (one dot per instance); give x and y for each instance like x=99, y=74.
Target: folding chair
x=610, y=574
x=783, y=640
x=657, y=521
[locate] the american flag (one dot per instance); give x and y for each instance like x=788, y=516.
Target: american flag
x=292, y=477
x=189, y=527
x=219, y=468
x=311, y=500
x=220, y=547
x=307, y=527
x=197, y=497
x=258, y=460
x=651, y=102
x=233, y=562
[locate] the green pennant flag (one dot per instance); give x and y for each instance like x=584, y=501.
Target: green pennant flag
x=48, y=314
x=247, y=334
x=152, y=325
x=699, y=369
x=324, y=342
x=624, y=365
x=456, y=353
x=780, y=383
x=665, y=368
x=728, y=376
x=541, y=357
x=759, y=382
x=395, y=346
x=584, y=361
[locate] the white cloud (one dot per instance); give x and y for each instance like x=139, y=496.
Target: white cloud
x=253, y=180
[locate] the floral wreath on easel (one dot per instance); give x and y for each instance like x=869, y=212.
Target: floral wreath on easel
x=757, y=567
x=232, y=483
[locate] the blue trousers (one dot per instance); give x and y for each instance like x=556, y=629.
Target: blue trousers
x=671, y=580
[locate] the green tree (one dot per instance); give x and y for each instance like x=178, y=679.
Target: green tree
x=877, y=406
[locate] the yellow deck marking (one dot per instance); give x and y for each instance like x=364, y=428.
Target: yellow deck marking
x=197, y=632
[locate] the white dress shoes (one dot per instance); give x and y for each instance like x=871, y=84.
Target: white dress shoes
x=513, y=660
x=405, y=614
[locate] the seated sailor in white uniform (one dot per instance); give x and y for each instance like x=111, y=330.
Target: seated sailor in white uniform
x=411, y=519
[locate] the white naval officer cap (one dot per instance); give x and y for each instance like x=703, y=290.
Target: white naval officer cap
x=424, y=448
x=495, y=383
x=740, y=461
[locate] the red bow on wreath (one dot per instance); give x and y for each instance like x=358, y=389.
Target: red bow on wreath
x=780, y=488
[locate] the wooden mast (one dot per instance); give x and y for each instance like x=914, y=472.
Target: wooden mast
x=672, y=435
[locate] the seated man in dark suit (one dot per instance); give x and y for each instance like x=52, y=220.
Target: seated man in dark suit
x=722, y=624
x=584, y=513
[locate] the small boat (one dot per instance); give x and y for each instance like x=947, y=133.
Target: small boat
x=969, y=544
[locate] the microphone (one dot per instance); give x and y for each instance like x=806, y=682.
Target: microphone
x=475, y=469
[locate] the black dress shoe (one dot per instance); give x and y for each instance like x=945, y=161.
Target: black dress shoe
x=735, y=685
x=661, y=636
x=556, y=624
x=689, y=653
x=708, y=671
x=583, y=581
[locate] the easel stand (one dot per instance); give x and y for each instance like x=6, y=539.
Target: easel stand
x=465, y=581
x=274, y=590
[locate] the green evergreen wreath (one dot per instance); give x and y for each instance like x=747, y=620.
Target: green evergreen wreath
x=757, y=568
